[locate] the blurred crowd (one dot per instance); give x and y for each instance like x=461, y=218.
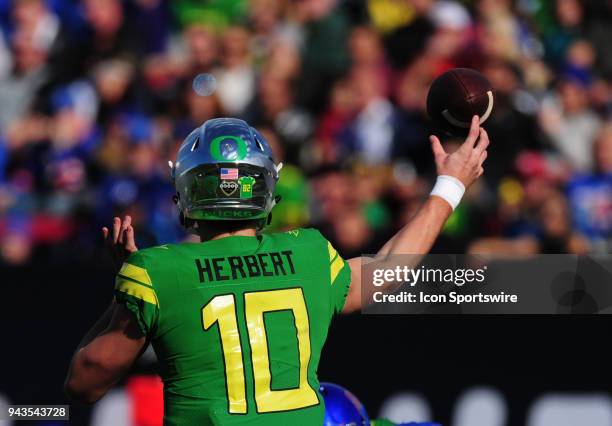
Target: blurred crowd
x=97, y=95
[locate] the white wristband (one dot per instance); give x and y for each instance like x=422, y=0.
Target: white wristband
x=450, y=189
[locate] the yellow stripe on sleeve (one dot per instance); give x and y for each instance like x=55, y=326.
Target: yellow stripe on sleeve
x=336, y=267
x=332, y=252
x=135, y=273
x=136, y=290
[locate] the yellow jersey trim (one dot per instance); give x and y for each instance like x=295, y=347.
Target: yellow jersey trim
x=136, y=290
x=135, y=273
x=332, y=252
x=336, y=267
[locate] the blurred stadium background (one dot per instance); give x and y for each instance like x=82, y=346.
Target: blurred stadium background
x=96, y=96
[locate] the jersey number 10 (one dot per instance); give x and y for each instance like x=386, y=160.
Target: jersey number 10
x=221, y=310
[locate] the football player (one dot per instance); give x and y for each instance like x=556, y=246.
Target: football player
x=239, y=320
x=342, y=408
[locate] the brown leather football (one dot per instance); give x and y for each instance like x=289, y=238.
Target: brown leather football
x=456, y=96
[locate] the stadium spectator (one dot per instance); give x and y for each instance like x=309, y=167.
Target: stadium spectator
x=567, y=119
x=590, y=195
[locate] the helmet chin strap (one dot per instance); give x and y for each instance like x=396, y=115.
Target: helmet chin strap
x=275, y=201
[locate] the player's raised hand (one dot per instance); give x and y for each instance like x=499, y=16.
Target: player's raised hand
x=464, y=164
x=120, y=240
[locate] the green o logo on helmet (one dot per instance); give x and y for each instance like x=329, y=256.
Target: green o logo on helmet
x=228, y=148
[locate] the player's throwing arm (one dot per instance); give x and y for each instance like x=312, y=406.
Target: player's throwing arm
x=456, y=172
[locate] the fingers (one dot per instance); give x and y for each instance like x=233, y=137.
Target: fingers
x=119, y=229
x=130, y=243
x=483, y=142
x=482, y=158
x=120, y=241
x=127, y=221
x=481, y=150
x=116, y=229
x=436, y=147
x=473, y=134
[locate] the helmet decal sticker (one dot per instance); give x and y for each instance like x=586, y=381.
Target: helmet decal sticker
x=228, y=148
x=246, y=186
x=228, y=187
x=229, y=174
x=230, y=214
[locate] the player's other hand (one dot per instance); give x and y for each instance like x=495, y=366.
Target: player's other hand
x=464, y=164
x=120, y=240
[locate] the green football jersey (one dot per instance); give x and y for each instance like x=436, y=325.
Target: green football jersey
x=238, y=324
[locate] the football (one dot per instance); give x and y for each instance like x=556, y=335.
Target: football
x=456, y=96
